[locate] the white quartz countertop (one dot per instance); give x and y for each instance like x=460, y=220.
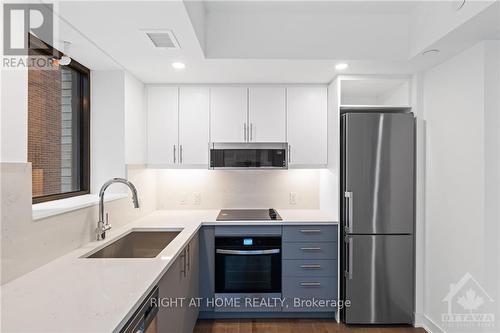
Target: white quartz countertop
x=74, y=294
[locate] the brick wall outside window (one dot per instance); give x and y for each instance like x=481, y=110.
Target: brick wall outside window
x=44, y=130
x=50, y=132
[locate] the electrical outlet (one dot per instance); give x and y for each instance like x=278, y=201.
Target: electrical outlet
x=197, y=198
x=183, y=198
x=293, y=198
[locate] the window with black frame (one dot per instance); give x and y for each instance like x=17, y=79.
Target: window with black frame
x=58, y=124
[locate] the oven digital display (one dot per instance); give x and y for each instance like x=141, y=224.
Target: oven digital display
x=247, y=241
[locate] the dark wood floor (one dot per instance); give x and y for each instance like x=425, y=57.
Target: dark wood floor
x=292, y=326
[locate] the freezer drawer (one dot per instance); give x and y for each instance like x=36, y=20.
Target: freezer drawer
x=378, y=173
x=379, y=279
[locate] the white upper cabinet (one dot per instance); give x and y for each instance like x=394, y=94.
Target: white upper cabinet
x=162, y=123
x=228, y=114
x=307, y=125
x=193, y=125
x=266, y=114
x=181, y=121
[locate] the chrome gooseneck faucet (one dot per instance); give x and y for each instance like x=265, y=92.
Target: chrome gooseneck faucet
x=102, y=225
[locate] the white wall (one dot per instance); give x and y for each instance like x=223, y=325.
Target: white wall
x=329, y=177
x=135, y=121
x=14, y=115
x=492, y=171
x=237, y=189
x=107, y=128
x=13, y=106
x=396, y=96
x=460, y=102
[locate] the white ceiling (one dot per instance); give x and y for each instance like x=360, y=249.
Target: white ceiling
x=312, y=7
x=251, y=42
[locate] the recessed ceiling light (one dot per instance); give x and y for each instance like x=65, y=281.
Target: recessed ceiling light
x=430, y=52
x=341, y=66
x=178, y=65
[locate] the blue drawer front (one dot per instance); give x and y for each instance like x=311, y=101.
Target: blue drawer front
x=309, y=251
x=310, y=294
x=309, y=268
x=310, y=233
x=251, y=230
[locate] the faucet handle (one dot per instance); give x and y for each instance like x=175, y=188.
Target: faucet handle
x=107, y=226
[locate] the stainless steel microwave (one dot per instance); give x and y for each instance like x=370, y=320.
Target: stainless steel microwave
x=253, y=155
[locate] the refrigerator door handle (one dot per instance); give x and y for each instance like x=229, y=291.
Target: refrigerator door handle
x=349, y=244
x=349, y=210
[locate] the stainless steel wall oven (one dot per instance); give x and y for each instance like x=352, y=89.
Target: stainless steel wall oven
x=248, y=265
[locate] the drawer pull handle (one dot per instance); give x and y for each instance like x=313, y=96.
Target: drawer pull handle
x=310, y=231
x=310, y=284
x=312, y=266
x=310, y=248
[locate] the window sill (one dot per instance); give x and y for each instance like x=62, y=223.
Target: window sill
x=56, y=207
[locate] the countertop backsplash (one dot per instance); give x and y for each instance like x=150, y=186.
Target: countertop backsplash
x=215, y=189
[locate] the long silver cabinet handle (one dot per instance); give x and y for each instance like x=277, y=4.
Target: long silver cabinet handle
x=251, y=130
x=310, y=266
x=289, y=153
x=183, y=256
x=310, y=231
x=174, y=155
x=180, y=154
x=245, y=132
x=310, y=248
x=350, y=245
x=249, y=252
x=310, y=284
x=350, y=200
x=188, y=256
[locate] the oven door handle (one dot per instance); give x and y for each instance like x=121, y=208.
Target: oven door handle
x=247, y=252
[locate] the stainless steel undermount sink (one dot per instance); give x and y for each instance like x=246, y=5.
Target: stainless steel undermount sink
x=137, y=244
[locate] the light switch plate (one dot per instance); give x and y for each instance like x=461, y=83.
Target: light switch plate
x=293, y=198
x=183, y=199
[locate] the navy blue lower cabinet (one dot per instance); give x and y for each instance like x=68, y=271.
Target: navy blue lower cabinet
x=310, y=294
x=310, y=268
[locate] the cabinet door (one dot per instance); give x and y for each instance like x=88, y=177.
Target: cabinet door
x=193, y=126
x=228, y=114
x=266, y=114
x=206, y=257
x=162, y=124
x=192, y=285
x=307, y=125
x=169, y=315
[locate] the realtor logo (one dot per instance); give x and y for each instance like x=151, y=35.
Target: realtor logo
x=468, y=305
x=22, y=19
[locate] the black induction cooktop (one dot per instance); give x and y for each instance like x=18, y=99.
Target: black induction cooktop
x=248, y=215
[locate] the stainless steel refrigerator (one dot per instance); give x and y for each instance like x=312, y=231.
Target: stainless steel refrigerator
x=377, y=216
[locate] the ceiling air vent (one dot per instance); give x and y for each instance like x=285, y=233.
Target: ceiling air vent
x=164, y=39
